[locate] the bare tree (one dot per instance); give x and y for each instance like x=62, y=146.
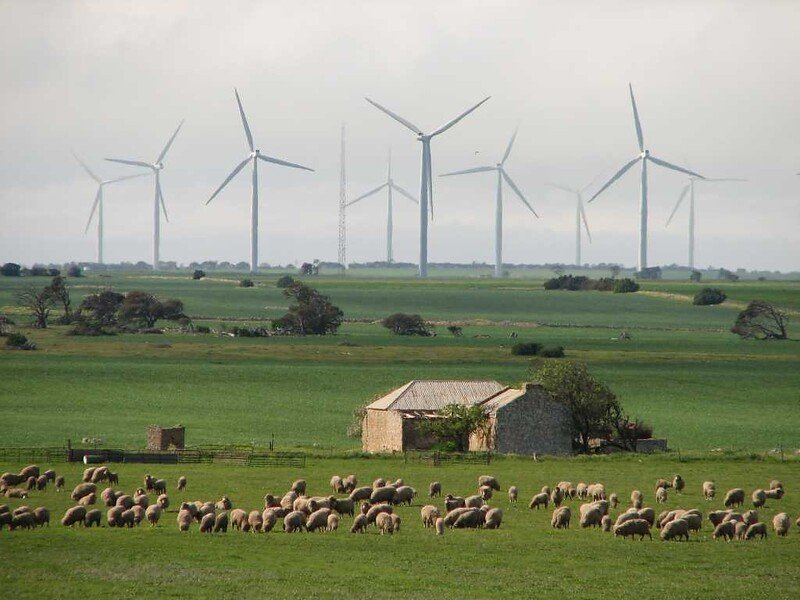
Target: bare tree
x=762, y=321
x=39, y=301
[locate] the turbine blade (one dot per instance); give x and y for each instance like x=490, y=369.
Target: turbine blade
x=508, y=149
x=368, y=194
x=244, y=121
x=395, y=116
x=678, y=203
x=585, y=223
x=474, y=170
x=124, y=178
x=639, y=135
x=169, y=143
x=283, y=163
x=667, y=165
x=449, y=124
x=94, y=208
x=161, y=200
x=430, y=178
x=135, y=163
x=403, y=192
x=233, y=174
x=616, y=176
x=517, y=191
x=561, y=187
x=87, y=169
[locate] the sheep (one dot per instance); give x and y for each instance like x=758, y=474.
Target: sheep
x=100, y=474
x=675, y=530
x=648, y=514
x=21, y=510
x=382, y=494
x=545, y=489
x=343, y=506
x=6, y=518
x=333, y=522
x=256, y=521
x=125, y=501
x=493, y=518
x=750, y=517
x=42, y=516
x=384, y=523
x=362, y=493
x=564, y=486
x=605, y=523
x=613, y=499
x=775, y=484
x=113, y=478
x=661, y=495
x=739, y=528
x=303, y=504
x=774, y=494
x=109, y=497
x=756, y=529
x=295, y=521
x=92, y=518
x=16, y=493
x=207, y=523
x=148, y=482
x=626, y=516
x=224, y=503
x=88, y=500
x=268, y=519
x=693, y=520
x=318, y=520
x=30, y=471
x=30, y=484
x=220, y=522
x=238, y=517
x=350, y=483
x=153, y=514
x=471, y=518
x=637, y=498
x=138, y=514
x=74, y=515
x=396, y=521
x=591, y=518
x=513, y=493
x=439, y=526
x=734, y=516
x=337, y=484
x=50, y=475
x=452, y=516
x=632, y=528
x=734, y=497
x=87, y=474
x=718, y=516
x=725, y=530
x=83, y=489
x=473, y=502
x=359, y=524
x=206, y=508
x=663, y=483
x=288, y=499
x=561, y=518
x=597, y=491
x=404, y=494
x=397, y=483
x=113, y=514
x=435, y=489
x=41, y=482
x=299, y=487
x=759, y=498
x=163, y=502
x=781, y=524
x=60, y=483
x=184, y=520
x=678, y=483
x=181, y=483
x=485, y=492
x=709, y=490
x=580, y=490
x=24, y=521
x=380, y=482
x=429, y=514
x=160, y=486
x=556, y=497
x=601, y=505
x=377, y=509
x=141, y=500
x=490, y=481
x=452, y=502
x=539, y=500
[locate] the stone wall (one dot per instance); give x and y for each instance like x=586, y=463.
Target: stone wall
x=382, y=431
x=164, y=438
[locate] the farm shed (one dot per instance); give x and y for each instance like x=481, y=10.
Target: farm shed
x=164, y=438
x=521, y=421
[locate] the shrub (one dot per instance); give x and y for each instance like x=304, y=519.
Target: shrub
x=727, y=275
x=285, y=281
x=198, y=274
x=74, y=271
x=526, y=349
x=250, y=332
x=695, y=276
x=605, y=284
x=552, y=352
x=568, y=282
x=625, y=286
x=10, y=270
x=455, y=330
x=246, y=283
x=405, y=324
x=203, y=329
x=709, y=296
x=17, y=341
x=38, y=271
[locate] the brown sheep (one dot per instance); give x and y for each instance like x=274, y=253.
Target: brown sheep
x=139, y=514
x=50, y=475
x=74, y=515
x=473, y=502
x=632, y=528
x=125, y=501
x=756, y=530
x=661, y=495
x=221, y=523
x=718, y=516
x=382, y=494
x=663, y=483
x=376, y=510
x=605, y=523
x=337, y=484
x=160, y=486
x=184, y=520
x=452, y=502
x=726, y=530
x=88, y=500
x=362, y=493
x=256, y=521
x=181, y=483
x=343, y=506
x=734, y=497
x=223, y=504
x=295, y=521
x=561, y=517
x=163, y=502
x=781, y=524
x=238, y=517
x=451, y=517
x=384, y=523
x=6, y=518
x=30, y=484
x=333, y=522
x=485, y=492
x=359, y=524
x=648, y=514
x=60, y=483
x=87, y=474
x=92, y=518
x=207, y=523
x=404, y=494
x=11, y=479
x=299, y=487
x=153, y=514
x=100, y=474
x=41, y=482
x=380, y=482
x=613, y=500
x=628, y=515
x=693, y=520
x=678, y=483
x=493, y=518
x=268, y=519
x=396, y=521
x=109, y=497
x=750, y=517
x=148, y=482
x=637, y=499
x=318, y=520
x=435, y=489
x=113, y=478
x=23, y=521
x=288, y=499
x=83, y=489
x=556, y=497
x=16, y=493
x=591, y=518
x=675, y=530
x=490, y=481
x=429, y=515
x=539, y=500
x=112, y=516
x=30, y=471
x=350, y=483
x=42, y=516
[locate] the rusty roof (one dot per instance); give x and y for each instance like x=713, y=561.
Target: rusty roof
x=432, y=395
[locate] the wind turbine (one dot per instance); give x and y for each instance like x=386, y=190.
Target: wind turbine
x=98, y=204
x=426, y=178
x=689, y=189
x=254, y=156
x=158, y=202
x=390, y=186
x=580, y=214
x=498, y=214
x=644, y=157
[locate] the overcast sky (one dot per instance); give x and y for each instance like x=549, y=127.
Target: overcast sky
x=717, y=85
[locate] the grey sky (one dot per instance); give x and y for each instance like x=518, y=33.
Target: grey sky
x=717, y=84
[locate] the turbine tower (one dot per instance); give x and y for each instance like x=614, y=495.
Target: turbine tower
x=498, y=214
x=97, y=206
x=342, y=206
x=644, y=157
x=158, y=202
x=580, y=215
x=426, y=179
x=390, y=186
x=689, y=189
x=254, y=156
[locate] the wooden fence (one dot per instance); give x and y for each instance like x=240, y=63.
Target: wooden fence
x=438, y=459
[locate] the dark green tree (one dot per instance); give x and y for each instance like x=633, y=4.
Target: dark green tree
x=311, y=314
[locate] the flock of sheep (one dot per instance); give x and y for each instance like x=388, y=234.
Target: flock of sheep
x=375, y=505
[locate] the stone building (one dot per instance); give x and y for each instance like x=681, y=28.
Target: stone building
x=521, y=421
x=164, y=438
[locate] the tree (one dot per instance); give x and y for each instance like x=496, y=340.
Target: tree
x=141, y=308
x=593, y=406
x=60, y=291
x=39, y=301
x=10, y=269
x=246, y=283
x=74, y=271
x=455, y=330
x=404, y=324
x=172, y=310
x=285, y=281
x=625, y=286
x=98, y=310
x=727, y=275
x=198, y=274
x=762, y=321
x=310, y=268
x=695, y=276
x=312, y=313
x=454, y=424
x=709, y=296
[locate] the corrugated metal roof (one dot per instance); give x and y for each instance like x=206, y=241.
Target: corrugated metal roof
x=499, y=400
x=435, y=395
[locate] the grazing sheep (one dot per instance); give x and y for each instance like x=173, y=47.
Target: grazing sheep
x=138, y=514
x=626, y=516
x=396, y=521
x=734, y=497
x=299, y=487
x=343, y=506
x=718, y=516
x=125, y=501
x=16, y=493
x=451, y=517
x=556, y=497
x=377, y=509
x=739, y=528
x=435, y=489
x=100, y=474
x=163, y=502
x=238, y=517
x=141, y=500
x=287, y=501
x=92, y=518
x=605, y=523
x=153, y=514
x=30, y=484
x=268, y=519
x=88, y=500
x=581, y=490
x=404, y=494
x=750, y=517
x=109, y=497
x=42, y=516
x=206, y=508
x=774, y=494
x=220, y=523
x=359, y=494
x=359, y=524
x=184, y=520
x=87, y=474
x=41, y=482
x=637, y=498
x=429, y=515
x=545, y=489
x=60, y=483
x=113, y=478
x=50, y=475
x=439, y=526
x=303, y=504
x=21, y=510
x=473, y=502
x=452, y=502
x=493, y=518
x=663, y=483
x=781, y=524
x=350, y=483
x=256, y=521
x=675, y=530
x=318, y=520
x=709, y=490
x=160, y=486
x=6, y=518
x=83, y=489
x=759, y=498
x=181, y=483
x=678, y=483
x=597, y=491
x=632, y=528
x=513, y=493
x=470, y=519
x=564, y=486
x=756, y=529
x=112, y=516
x=333, y=522
x=295, y=521
x=726, y=530
x=337, y=484
x=591, y=518
x=223, y=504
x=661, y=495
x=30, y=471
x=490, y=481
x=561, y=518
x=734, y=516
x=648, y=514
x=207, y=523
x=74, y=515
x=382, y=494
x=775, y=484
x=693, y=520
x=397, y=483
x=485, y=492
x=384, y=523
x=613, y=499
x=380, y=482
x=538, y=500
x=24, y=521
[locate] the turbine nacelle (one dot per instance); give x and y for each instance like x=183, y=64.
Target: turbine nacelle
x=645, y=153
x=158, y=166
